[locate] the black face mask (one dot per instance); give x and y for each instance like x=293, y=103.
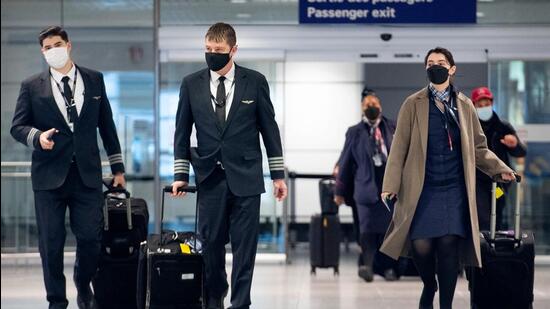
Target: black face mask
x=438, y=74
x=216, y=61
x=372, y=112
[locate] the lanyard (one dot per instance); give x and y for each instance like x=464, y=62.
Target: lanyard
x=448, y=110
x=72, y=103
x=218, y=104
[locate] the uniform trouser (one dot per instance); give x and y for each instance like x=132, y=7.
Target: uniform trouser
x=86, y=219
x=223, y=217
x=483, y=200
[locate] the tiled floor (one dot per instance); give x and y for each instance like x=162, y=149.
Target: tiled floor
x=278, y=286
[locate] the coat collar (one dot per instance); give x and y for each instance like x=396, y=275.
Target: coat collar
x=422, y=101
x=241, y=82
x=46, y=93
x=240, y=86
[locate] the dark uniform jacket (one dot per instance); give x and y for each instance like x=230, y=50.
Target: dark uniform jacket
x=36, y=111
x=357, y=171
x=236, y=145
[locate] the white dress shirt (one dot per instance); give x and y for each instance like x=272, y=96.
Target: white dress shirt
x=78, y=92
x=229, y=87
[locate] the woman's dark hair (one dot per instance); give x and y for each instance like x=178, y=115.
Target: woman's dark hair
x=52, y=31
x=440, y=50
x=366, y=92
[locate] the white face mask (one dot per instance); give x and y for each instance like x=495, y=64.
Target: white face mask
x=485, y=113
x=57, y=57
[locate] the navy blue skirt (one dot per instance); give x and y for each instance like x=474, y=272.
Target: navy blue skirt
x=441, y=210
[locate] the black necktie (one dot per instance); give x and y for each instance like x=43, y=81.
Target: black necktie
x=68, y=94
x=220, y=100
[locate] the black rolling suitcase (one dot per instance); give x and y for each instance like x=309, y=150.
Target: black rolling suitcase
x=326, y=196
x=324, y=242
x=171, y=268
x=506, y=278
x=125, y=227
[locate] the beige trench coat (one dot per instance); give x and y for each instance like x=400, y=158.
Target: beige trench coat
x=406, y=167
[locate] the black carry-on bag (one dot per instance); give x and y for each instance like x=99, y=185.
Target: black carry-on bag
x=324, y=242
x=125, y=227
x=506, y=278
x=171, y=268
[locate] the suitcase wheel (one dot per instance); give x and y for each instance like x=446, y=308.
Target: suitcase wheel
x=336, y=271
x=313, y=271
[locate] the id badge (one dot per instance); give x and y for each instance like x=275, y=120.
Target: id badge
x=377, y=159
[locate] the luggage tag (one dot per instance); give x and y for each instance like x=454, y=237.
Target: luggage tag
x=377, y=159
x=499, y=193
x=185, y=249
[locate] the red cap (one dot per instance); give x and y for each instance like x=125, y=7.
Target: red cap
x=481, y=93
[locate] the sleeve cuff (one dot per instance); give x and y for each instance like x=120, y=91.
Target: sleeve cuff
x=339, y=188
x=117, y=165
x=33, y=138
x=181, y=177
x=277, y=175
x=117, y=168
x=277, y=167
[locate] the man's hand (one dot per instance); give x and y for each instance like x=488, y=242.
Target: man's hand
x=339, y=200
x=119, y=180
x=176, y=185
x=279, y=189
x=510, y=141
x=46, y=141
x=387, y=196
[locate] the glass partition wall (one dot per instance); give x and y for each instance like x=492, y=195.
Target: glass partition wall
x=313, y=96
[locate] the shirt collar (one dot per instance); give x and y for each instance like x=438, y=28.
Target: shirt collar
x=57, y=76
x=230, y=76
x=442, y=96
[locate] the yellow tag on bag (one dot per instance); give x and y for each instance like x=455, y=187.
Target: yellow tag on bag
x=185, y=249
x=499, y=193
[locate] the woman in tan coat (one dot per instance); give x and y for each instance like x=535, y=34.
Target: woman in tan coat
x=431, y=171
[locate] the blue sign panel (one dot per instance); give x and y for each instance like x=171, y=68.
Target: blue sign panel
x=387, y=11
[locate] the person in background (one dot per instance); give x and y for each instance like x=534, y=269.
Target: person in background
x=430, y=172
x=59, y=113
x=504, y=142
x=361, y=169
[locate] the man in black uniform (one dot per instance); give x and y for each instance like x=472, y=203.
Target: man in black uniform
x=504, y=142
x=58, y=113
x=229, y=106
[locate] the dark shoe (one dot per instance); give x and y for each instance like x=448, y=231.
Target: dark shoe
x=366, y=273
x=390, y=275
x=85, y=299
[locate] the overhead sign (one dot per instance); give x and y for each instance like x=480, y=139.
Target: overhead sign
x=387, y=11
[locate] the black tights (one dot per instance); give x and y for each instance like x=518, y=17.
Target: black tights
x=425, y=253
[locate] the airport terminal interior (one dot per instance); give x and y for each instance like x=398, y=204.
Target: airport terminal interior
x=316, y=66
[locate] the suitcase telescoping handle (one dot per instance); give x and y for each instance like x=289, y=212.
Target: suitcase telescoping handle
x=117, y=190
x=188, y=189
x=517, y=211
